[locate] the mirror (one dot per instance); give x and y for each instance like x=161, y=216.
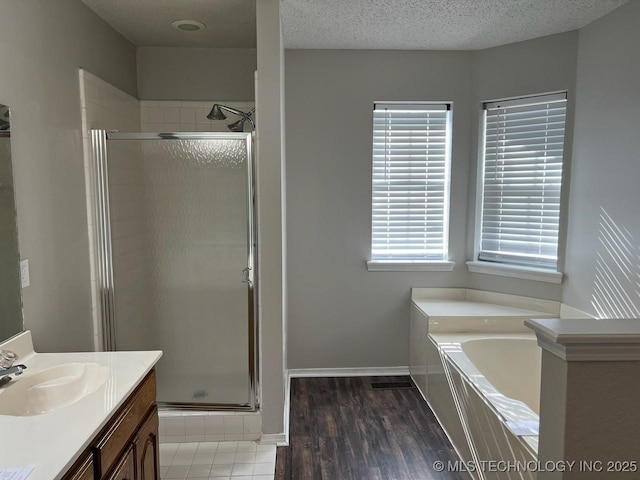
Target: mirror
x=10, y=289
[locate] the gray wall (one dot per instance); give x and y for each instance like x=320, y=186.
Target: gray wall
x=42, y=45
x=603, y=261
x=541, y=65
x=170, y=73
x=341, y=315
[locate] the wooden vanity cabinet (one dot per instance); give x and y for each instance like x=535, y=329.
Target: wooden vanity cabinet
x=127, y=447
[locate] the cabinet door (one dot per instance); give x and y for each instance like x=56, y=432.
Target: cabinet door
x=126, y=469
x=146, y=449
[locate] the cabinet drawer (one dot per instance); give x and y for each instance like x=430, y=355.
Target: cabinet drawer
x=126, y=469
x=125, y=423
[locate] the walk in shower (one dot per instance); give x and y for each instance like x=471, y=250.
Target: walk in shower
x=176, y=260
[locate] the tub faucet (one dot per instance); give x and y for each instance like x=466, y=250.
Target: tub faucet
x=7, y=367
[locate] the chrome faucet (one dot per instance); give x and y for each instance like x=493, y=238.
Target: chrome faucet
x=7, y=367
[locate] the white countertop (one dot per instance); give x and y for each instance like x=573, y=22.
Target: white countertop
x=468, y=308
x=475, y=316
x=464, y=310
x=53, y=441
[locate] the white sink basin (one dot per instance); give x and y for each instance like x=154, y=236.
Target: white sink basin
x=52, y=388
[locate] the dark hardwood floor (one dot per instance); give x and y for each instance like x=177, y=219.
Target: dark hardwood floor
x=342, y=428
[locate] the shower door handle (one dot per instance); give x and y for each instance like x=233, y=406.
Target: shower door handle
x=245, y=275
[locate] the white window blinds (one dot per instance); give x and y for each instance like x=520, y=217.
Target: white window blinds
x=522, y=173
x=410, y=194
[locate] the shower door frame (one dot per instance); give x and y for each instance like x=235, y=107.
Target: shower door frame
x=104, y=250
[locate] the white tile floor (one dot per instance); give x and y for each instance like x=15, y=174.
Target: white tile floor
x=242, y=460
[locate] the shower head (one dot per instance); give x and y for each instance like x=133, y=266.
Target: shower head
x=237, y=126
x=217, y=113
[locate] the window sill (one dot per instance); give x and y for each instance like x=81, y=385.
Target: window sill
x=525, y=273
x=409, y=266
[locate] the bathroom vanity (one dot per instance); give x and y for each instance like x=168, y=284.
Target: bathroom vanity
x=81, y=416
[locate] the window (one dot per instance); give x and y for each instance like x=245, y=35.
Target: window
x=521, y=181
x=410, y=191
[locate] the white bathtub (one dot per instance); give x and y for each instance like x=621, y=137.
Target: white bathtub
x=510, y=364
x=484, y=389
x=478, y=366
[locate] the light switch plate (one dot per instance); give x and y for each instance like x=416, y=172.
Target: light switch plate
x=24, y=273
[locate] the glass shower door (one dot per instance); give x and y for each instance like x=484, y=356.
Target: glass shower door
x=181, y=230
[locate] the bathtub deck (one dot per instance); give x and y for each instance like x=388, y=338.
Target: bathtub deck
x=343, y=429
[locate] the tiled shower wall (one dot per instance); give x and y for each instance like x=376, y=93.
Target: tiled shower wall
x=106, y=107
x=186, y=116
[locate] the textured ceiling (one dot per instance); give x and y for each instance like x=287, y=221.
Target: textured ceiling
x=371, y=24
x=432, y=24
x=230, y=23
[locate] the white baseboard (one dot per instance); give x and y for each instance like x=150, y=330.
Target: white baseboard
x=278, y=439
x=348, y=372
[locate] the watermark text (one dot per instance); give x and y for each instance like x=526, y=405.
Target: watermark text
x=500, y=466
